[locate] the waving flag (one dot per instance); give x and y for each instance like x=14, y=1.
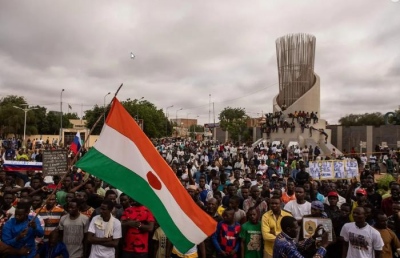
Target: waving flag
x=76, y=143
x=124, y=157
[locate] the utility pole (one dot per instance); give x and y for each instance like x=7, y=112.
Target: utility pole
x=26, y=109
x=61, y=115
x=209, y=108
x=166, y=123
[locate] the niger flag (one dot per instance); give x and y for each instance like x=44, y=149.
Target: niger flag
x=124, y=157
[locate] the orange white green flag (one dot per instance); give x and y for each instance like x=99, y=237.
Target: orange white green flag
x=124, y=157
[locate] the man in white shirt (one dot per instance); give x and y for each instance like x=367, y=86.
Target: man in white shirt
x=262, y=167
x=299, y=207
x=104, y=232
x=360, y=239
x=364, y=160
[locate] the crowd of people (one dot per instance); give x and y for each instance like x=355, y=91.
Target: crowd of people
x=277, y=120
x=258, y=196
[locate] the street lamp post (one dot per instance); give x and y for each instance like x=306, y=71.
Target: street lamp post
x=61, y=114
x=166, y=123
x=104, y=105
x=194, y=128
x=26, y=109
x=176, y=117
x=187, y=124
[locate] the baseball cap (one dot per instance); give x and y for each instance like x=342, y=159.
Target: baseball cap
x=361, y=191
x=333, y=194
x=247, y=180
x=274, y=175
x=259, y=173
x=317, y=205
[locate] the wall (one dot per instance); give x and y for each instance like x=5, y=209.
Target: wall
x=352, y=135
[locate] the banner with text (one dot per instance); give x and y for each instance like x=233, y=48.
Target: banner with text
x=333, y=169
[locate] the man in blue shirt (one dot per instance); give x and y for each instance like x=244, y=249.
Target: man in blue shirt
x=21, y=231
x=285, y=245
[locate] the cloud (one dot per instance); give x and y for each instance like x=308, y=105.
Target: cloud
x=188, y=50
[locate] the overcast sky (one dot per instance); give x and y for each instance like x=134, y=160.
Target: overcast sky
x=186, y=50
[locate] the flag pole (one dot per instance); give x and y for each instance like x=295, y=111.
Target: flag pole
x=76, y=156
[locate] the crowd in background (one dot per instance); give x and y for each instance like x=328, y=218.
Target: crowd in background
x=258, y=195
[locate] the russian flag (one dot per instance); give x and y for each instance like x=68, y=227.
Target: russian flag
x=76, y=143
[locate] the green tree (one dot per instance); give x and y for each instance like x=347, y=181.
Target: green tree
x=234, y=120
x=41, y=122
x=154, y=120
x=155, y=123
x=70, y=116
x=91, y=117
x=11, y=118
x=375, y=119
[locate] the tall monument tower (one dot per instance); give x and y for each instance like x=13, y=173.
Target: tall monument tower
x=299, y=91
x=298, y=84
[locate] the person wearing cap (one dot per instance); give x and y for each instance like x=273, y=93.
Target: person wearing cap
x=271, y=170
x=361, y=200
x=332, y=210
x=317, y=210
x=259, y=178
x=331, y=187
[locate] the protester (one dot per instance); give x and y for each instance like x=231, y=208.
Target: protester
x=104, y=232
x=73, y=229
x=251, y=237
x=271, y=226
x=21, y=231
x=360, y=239
x=227, y=227
x=285, y=246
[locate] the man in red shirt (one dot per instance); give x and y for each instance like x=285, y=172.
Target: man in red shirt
x=137, y=221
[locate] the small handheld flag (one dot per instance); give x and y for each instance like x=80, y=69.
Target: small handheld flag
x=76, y=143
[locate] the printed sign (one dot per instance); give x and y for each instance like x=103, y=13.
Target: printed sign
x=333, y=169
x=314, y=170
x=311, y=224
x=326, y=170
x=351, y=168
x=55, y=162
x=338, y=169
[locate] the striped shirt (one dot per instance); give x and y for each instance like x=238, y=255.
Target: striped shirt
x=226, y=237
x=51, y=218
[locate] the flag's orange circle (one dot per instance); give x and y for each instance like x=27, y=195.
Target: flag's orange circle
x=153, y=180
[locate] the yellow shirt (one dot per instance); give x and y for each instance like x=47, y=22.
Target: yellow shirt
x=353, y=206
x=270, y=228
